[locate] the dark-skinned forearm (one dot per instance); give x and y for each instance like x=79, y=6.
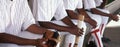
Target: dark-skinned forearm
x=68, y=21
x=95, y=11
x=83, y=12
x=36, y=29
x=72, y=14
x=7, y=38
x=50, y=25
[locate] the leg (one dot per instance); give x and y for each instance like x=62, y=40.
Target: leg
x=66, y=36
x=103, y=25
x=104, y=21
x=95, y=32
x=97, y=37
x=69, y=40
x=8, y=45
x=81, y=39
x=29, y=35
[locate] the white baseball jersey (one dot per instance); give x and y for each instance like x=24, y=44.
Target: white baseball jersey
x=47, y=9
x=89, y=4
x=73, y=4
x=98, y=2
x=101, y=21
x=15, y=16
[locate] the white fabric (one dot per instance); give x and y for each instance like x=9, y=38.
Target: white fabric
x=2, y=24
x=33, y=6
x=95, y=17
x=101, y=20
x=98, y=2
x=15, y=16
x=69, y=39
x=47, y=9
x=68, y=36
x=81, y=38
x=8, y=45
x=73, y=4
x=97, y=38
x=29, y=35
x=104, y=21
x=88, y=4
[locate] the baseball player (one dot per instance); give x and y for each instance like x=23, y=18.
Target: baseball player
x=15, y=17
x=101, y=4
x=46, y=10
x=71, y=6
x=88, y=4
x=96, y=33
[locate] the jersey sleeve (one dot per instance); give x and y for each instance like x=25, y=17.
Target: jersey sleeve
x=72, y=4
x=80, y=4
x=28, y=17
x=60, y=12
x=88, y=4
x=2, y=27
x=98, y=2
x=69, y=4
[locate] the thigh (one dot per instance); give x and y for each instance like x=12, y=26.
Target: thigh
x=29, y=35
x=96, y=17
x=8, y=45
x=105, y=19
x=104, y=10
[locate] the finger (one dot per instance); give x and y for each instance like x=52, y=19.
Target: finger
x=80, y=30
x=80, y=33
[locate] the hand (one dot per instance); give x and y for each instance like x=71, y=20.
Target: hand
x=53, y=38
x=114, y=17
x=92, y=22
x=41, y=42
x=75, y=31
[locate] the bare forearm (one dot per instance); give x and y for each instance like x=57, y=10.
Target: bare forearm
x=72, y=14
x=68, y=22
x=36, y=29
x=7, y=38
x=95, y=11
x=83, y=12
x=53, y=26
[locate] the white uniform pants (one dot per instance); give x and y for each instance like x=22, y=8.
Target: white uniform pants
x=97, y=33
x=103, y=22
x=69, y=39
x=81, y=38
